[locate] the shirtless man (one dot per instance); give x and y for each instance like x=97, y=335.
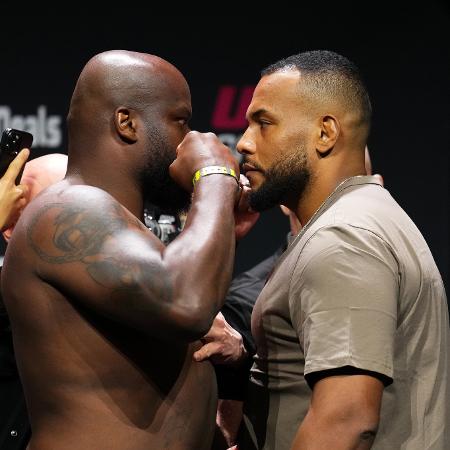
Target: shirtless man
x=105, y=318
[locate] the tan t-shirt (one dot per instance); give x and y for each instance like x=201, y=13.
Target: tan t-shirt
x=358, y=287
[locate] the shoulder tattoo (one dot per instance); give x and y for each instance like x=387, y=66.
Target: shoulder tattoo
x=79, y=234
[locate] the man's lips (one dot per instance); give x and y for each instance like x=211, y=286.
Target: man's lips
x=246, y=167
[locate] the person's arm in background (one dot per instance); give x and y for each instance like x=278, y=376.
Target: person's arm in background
x=12, y=198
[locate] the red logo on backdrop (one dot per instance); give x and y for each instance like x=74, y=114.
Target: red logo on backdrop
x=230, y=108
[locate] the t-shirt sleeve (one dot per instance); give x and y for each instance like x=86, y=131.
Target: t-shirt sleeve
x=343, y=301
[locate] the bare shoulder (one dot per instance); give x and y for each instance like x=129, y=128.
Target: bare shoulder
x=68, y=223
x=81, y=240
x=79, y=199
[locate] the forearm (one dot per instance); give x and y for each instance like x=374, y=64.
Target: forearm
x=203, y=254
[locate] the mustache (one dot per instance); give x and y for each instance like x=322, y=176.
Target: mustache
x=255, y=165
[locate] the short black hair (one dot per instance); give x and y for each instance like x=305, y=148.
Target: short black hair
x=329, y=75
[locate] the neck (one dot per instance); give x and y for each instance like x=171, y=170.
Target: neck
x=321, y=185
x=115, y=182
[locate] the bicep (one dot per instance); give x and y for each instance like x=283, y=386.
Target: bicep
x=343, y=413
x=103, y=259
x=126, y=274
x=340, y=396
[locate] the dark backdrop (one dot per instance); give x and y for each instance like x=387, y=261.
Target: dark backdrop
x=404, y=56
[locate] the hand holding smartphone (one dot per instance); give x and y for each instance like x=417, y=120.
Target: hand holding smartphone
x=12, y=142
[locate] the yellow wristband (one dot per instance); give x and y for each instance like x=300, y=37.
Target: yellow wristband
x=210, y=170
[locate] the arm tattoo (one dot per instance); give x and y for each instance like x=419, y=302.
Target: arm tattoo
x=79, y=234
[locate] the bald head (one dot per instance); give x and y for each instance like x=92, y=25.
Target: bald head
x=128, y=113
x=39, y=174
x=42, y=172
x=120, y=78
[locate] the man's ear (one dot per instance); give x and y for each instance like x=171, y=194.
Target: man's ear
x=125, y=122
x=329, y=130
x=7, y=233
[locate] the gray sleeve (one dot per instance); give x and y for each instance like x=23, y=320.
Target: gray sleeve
x=343, y=301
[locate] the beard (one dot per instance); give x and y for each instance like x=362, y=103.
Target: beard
x=159, y=188
x=286, y=179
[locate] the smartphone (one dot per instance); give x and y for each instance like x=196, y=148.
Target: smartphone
x=12, y=142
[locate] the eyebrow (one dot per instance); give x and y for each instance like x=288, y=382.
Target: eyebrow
x=255, y=115
x=185, y=110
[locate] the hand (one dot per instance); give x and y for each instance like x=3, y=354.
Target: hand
x=13, y=198
x=379, y=178
x=222, y=344
x=198, y=150
x=244, y=217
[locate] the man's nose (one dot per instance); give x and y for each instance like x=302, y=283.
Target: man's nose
x=245, y=146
